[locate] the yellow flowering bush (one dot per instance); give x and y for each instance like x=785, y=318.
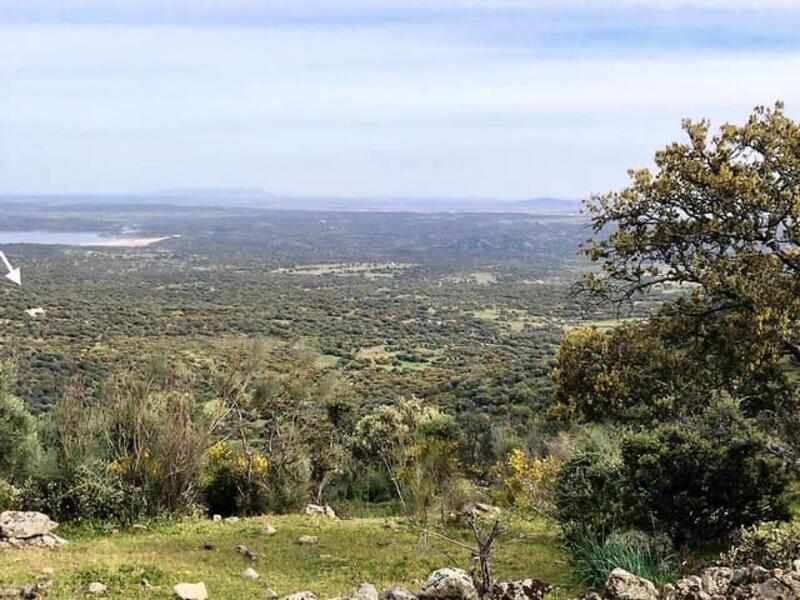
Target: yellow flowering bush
x=527, y=482
x=232, y=482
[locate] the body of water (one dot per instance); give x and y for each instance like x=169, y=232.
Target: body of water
x=69, y=238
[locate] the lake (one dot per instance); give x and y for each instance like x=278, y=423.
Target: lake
x=70, y=238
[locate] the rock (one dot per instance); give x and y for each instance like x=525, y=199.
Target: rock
x=449, y=584
x=366, y=591
x=191, y=591
x=301, y=596
x=231, y=520
x=476, y=509
x=308, y=540
x=46, y=541
x=24, y=525
x=270, y=593
x=526, y=589
x=10, y=592
x=622, y=585
x=246, y=552
x=216, y=518
x=269, y=530
x=313, y=510
x=48, y=571
x=250, y=574
x=97, y=588
x=397, y=593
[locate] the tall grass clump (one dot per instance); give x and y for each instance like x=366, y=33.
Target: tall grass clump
x=595, y=556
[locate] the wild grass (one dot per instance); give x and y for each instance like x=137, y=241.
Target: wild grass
x=637, y=553
x=349, y=552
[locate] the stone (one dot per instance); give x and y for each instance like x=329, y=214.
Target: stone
x=301, y=596
x=191, y=591
x=307, y=540
x=313, y=510
x=97, y=588
x=216, y=518
x=231, y=520
x=449, y=584
x=397, y=593
x=269, y=530
x=270, y=593
x=622, y=585
x=25, y=524
x=366, y=591
x=250, y=574
x=476, y=509
x=525, y=589
x=246, y=552
x=48, y=571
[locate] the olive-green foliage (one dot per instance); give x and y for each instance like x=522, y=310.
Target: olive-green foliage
x=88, y=494
x=588, y=492
x=695, y=480
x=772, y=545
x=18, y=439
x=702, y=480
x=717, y=225
x=657, y=370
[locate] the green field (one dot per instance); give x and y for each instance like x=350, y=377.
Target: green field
x=350, y=551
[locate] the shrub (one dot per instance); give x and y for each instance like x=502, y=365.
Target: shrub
x=527, y=482
x=19, y=443
x=595, y=556
x=771, y=545
x=233, y=484
x=587, y=494
x=704, y=479
x=8, y=495
x=86, y=495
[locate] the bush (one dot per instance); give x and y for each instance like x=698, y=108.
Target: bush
x=231, y=484
x=19, y=443
x=693, y=481
x=595, y=557
x=587, y=494
x=8, y=495
x=527, y=482
x=771, y=545
x=702, y=480
x=87, y=495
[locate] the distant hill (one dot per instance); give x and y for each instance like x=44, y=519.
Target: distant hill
x=255, y=198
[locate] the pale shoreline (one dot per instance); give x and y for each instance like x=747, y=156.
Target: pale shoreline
x=127, y=242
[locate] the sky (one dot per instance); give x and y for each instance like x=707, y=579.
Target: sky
x=374, y=98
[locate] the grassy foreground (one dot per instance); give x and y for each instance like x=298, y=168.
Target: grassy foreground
x=348, y=552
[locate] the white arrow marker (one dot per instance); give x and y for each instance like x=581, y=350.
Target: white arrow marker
x=13, y=274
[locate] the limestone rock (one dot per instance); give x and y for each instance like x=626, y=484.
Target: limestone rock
x=314, y=510
x=24, y=525
x=366, y=591
x=306, y=595
x=622, y=585
x=97, y=588
x=269, y=530
x=191, y=591
x=308, y=540
x=250, y=574
x=449, y=584
x=526, y=589
x=397, y=593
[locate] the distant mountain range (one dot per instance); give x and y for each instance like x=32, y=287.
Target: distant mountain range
x=255, y=198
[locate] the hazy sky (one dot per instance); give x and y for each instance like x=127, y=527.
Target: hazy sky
x=424, y=98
